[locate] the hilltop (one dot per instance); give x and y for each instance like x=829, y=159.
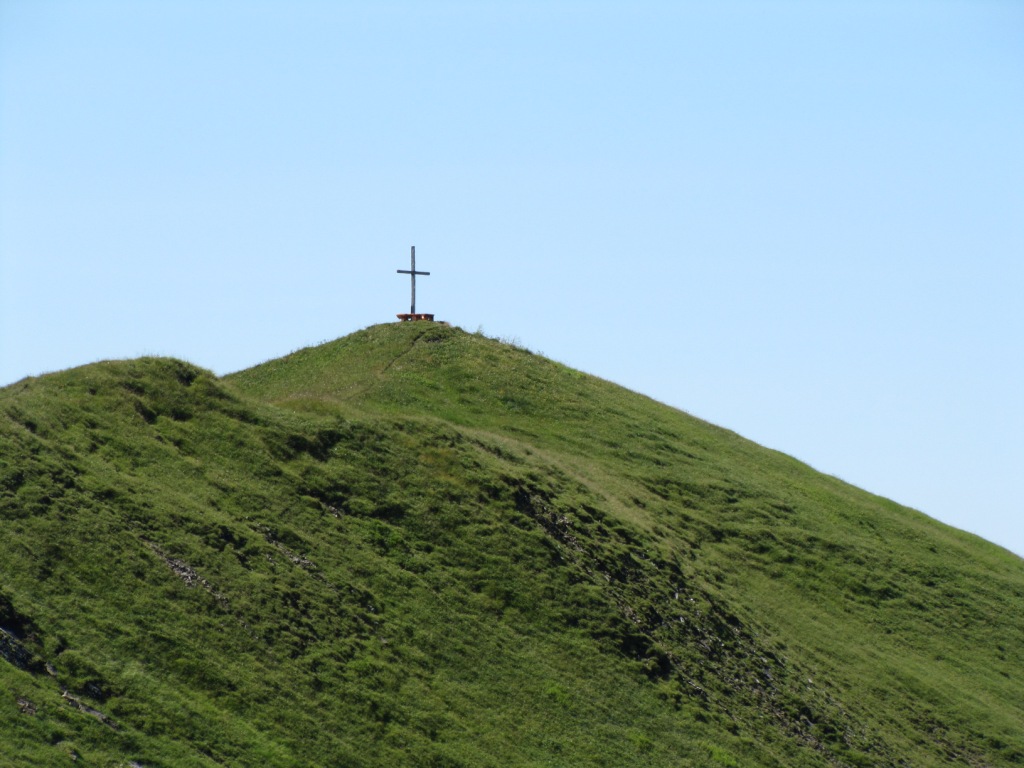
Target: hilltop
x=419, y=546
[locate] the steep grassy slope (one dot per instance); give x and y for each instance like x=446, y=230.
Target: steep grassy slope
x=417, y=546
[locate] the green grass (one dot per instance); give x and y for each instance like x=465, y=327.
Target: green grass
x=418, y=546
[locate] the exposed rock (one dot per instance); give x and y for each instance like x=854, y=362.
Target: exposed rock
x=188, y=574
x=26, y=706
x=78, y=704
x=13, y=652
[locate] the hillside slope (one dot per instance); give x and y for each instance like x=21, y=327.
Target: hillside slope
x=418, y=546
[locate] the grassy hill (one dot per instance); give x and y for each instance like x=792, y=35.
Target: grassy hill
x=417, y=546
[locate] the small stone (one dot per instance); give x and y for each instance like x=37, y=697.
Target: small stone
x=26, y=706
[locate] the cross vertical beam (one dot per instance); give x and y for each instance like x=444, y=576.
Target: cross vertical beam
x=412, y=274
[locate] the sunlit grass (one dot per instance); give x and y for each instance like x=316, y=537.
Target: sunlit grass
x=420, y=546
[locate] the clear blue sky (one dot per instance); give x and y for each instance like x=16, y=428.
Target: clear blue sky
x=803, y=221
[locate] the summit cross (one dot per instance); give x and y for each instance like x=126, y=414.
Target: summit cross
x=412, y=274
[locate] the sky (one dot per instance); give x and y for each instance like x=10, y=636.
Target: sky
x=802, y=221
